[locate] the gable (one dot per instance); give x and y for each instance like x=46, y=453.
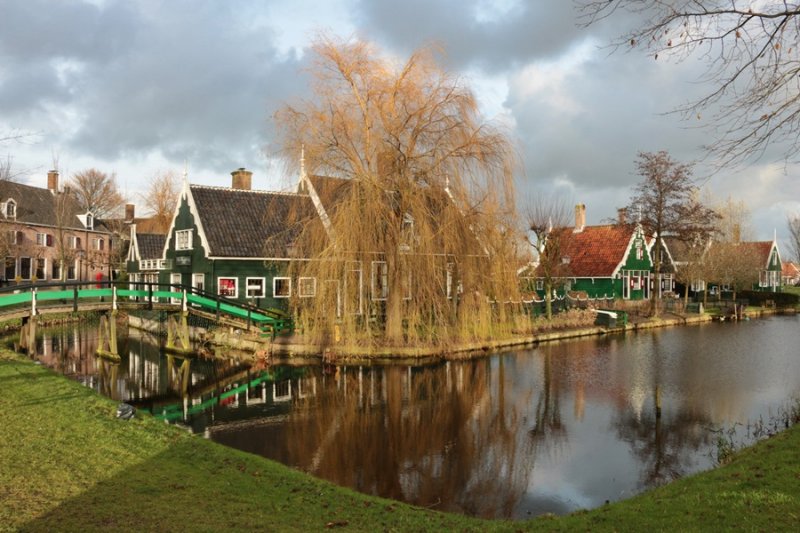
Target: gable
x=598, y=251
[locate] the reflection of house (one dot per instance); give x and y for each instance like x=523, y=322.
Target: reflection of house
x=790, y=273
x=45, y=236
x=612, y=260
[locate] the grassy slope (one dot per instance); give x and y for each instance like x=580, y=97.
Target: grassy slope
x=67, y=464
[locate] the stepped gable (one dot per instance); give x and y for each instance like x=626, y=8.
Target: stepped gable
x=238, y=222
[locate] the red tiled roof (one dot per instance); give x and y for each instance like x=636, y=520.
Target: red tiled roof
x=761, y=249
x=789, y=269
x=597, y=250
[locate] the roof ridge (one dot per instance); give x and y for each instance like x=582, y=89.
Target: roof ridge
x=254, y=191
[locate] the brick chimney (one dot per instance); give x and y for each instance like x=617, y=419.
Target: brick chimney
x=580, y=217
x=52, y=181
x=622, y=215
x=242, y=179
x=130, y=211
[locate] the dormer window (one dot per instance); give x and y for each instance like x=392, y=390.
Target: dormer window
x=11, y=209
x=89, y=221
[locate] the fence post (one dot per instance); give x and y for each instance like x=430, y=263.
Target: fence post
x=33, y=301
x=248, y=318
x=114, y=298
x=75, y=299
x=150, y=295
x=217, y=307
x=183, y=304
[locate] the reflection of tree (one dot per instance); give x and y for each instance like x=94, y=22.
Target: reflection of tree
x=665, y=447
x=384, y=431
x=548, y=410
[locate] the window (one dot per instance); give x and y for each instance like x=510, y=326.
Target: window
x=380, y=280
x=11, y=267
x=15, y=237
x=55, y=269
x=72, y=271
x=255, y=287
x=306, y=287
x=183, y=239
x=539, y=285
x=74, y=242
x=281, y=287
x=98, y=244
x=25, y=267
x=228, y=287
x=89, y=221
x=11, y=209
x=41, y=268
x=41, y=239
x=199, y=281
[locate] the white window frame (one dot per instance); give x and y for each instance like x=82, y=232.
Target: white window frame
x=183, y=239
x=262, y=288
x=235, y=286
x=75, y=273
x=97, y=244
x=199, y=276
x=539, y=285
x=11, y=209
x=41, y=239
x=379, y=270
x=30, y=268
x=274, y=293
x=35, y=268
x=300, y=286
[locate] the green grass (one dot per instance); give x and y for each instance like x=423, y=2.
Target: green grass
x=67, y=464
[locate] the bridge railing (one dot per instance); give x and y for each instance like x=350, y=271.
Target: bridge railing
x=38, y=296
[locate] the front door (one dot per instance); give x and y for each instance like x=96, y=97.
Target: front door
x=175, y=279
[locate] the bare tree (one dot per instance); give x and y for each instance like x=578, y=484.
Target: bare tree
x=750, y=49
x=734, y=223
x=97, y=192
x=161, y=197
x=666, y=202
x=793, y=222
x=427, y=202
x=548, y=234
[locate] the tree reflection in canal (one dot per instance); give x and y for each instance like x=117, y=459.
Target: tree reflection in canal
x=563, y=426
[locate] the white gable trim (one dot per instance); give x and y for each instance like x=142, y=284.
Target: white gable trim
x=187, y=195
x=312, y=192
x=637, y=231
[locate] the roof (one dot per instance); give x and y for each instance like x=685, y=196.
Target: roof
x=759, y=249
x=245, y=223
x=596, y=251
x=37, y=205
x=150, y=245
x=790, y=269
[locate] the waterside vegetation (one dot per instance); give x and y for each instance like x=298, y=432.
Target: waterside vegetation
x=67, y=463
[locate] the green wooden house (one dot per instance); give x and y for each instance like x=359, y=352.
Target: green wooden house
x=610, y=261
x=233, y=242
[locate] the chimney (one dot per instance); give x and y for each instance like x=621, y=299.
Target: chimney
x=52, y=181
x=622, y=215
x=737, y=233
x=580, y=217
x=130, y=211
x=242, y=179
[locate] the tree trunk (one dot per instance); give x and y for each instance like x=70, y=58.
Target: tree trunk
x=548, y=299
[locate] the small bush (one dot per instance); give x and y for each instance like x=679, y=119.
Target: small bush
x=781, y=299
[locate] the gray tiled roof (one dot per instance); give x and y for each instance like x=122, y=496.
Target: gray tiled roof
x=36, y=205
x=150, y=245
x=242, y=223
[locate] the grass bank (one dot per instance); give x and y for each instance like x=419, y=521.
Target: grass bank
x=68, y=464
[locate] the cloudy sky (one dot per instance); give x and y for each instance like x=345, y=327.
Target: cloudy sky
x=139, y=87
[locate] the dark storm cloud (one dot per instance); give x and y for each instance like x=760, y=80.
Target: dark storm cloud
x=191, y=80
x=526, y=31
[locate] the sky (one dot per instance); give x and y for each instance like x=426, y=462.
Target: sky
x=141, y=87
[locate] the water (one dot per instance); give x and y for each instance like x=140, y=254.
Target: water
x=564, y=426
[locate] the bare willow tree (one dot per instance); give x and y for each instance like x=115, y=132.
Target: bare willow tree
x=666, y=202
x=752, y=63
x=424, y=210
x=547, y=222
x=793, y=223
x=161, y=197
x=97, y=192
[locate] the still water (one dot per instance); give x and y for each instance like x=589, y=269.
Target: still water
x=563, y=426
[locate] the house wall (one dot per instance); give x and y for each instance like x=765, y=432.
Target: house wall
x=86, y=261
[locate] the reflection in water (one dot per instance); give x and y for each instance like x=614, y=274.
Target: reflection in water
x=564, y=426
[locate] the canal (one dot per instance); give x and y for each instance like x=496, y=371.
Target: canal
x=559, y=427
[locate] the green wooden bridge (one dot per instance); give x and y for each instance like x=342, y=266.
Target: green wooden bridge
x=27, y=302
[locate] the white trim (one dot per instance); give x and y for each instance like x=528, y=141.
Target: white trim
x=637, y=230
x=133, y=251
x=247, y=287
x=312, y=192
x=300, y=285
x=274, y=295
x=184, y=234
x=235, y=286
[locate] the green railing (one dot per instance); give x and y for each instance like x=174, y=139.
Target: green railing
x=40, y=296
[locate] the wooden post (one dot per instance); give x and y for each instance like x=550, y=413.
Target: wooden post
x=75, y=299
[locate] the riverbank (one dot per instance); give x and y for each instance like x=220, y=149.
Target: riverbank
x=68, y=464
